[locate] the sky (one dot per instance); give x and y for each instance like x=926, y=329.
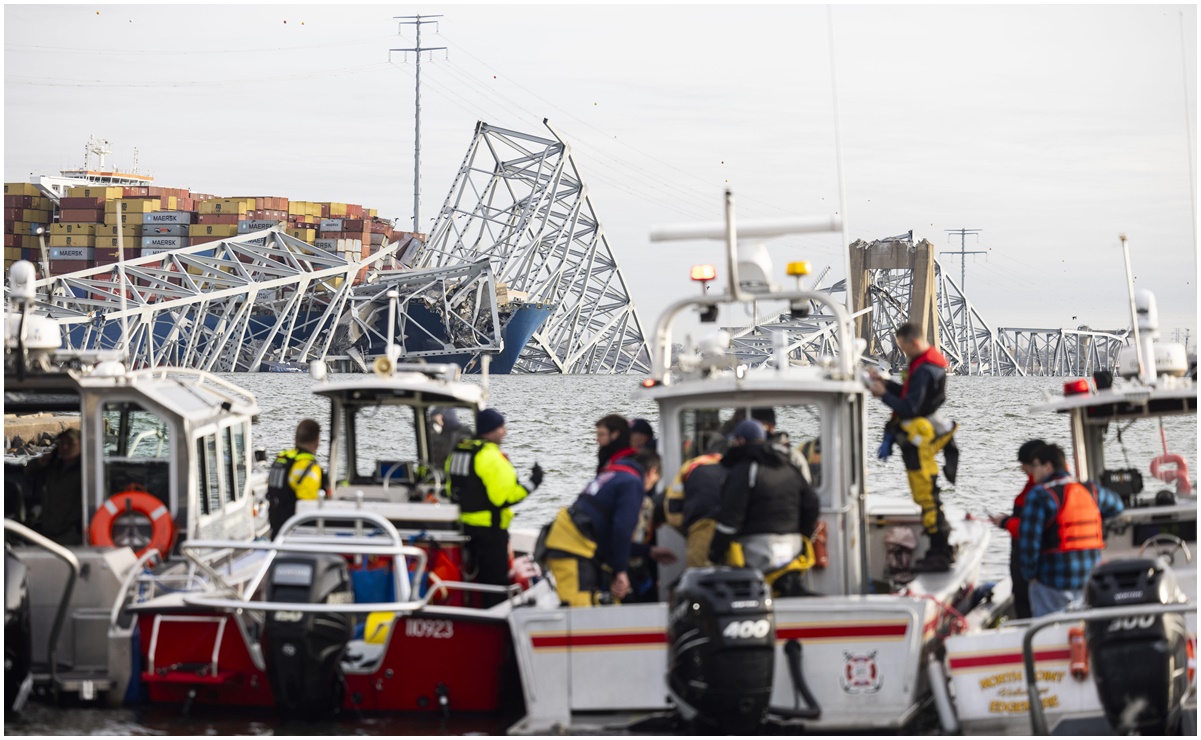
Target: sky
x=1052, y=129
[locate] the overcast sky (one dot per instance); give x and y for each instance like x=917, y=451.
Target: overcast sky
x=1052, y=129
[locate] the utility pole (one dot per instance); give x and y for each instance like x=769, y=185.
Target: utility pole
x=963, y=334
x=418, y=21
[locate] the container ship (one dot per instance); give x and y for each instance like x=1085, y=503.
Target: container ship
x=81, y=218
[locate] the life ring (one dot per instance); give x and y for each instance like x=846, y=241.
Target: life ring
x=1177, y=475
x=135, y=498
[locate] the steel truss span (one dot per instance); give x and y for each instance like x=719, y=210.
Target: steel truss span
x=226, y=306
x=971, y=345
x=519, y=202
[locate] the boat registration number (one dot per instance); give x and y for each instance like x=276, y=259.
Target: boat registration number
x=439, y=629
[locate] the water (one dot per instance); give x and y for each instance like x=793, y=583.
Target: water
x=551, y=420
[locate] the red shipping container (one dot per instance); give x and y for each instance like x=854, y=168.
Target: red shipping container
x=12, y=240
x=77, y=216
x=228, y=219
x=80, y=203
x=352, y=225
x=106, y=256
x=12, y=214
x=65, y=266
x=18, y=201
x=139, y=191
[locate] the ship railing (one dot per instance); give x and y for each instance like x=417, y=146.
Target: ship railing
x=1038, y=718
x=68, y=557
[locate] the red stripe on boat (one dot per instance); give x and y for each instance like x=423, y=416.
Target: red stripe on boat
x=841, y=631
x=984, y=661
x=618, y=639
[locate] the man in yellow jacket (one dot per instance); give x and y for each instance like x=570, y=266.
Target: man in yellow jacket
x=482, y=481
x=294, y=475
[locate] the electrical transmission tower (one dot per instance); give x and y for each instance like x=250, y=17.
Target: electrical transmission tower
x=418, y=21
x=962, y=330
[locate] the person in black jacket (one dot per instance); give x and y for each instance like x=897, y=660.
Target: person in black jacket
x=765, y=503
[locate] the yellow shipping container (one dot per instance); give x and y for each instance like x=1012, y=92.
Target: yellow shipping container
x=72, y=240
x=305, y=235
x=122, y=219
x=114, y=229
x=314, y=210
x=337, y=209
x=25, y=228
x=73, y=228
x=21, y=188
x=221, y=230
x=91, y=191
x=172, y=203
x=297, y=208
x=113, y=205
x=12, y=254
x=150, y=205
x=372, y=213
x=224, y=205
x=34, y=216
x=43, y=204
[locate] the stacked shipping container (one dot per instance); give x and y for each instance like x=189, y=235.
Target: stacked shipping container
x=90, y=223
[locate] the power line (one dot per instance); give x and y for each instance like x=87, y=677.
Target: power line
x=418, y=21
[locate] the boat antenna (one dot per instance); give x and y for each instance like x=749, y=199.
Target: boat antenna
x=1138, y=346
x=845, y=246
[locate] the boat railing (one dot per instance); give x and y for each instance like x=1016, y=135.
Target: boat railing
x=122, y=601
x=68, y=557
x=1038, y=719
x=735, y=292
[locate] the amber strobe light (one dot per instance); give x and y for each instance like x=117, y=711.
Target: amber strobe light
x=703, y=273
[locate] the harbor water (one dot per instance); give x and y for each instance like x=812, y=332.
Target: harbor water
x=551, y=421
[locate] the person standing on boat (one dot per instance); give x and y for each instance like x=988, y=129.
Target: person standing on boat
x=588, y=545
x=922, y=433
x=642, y=435
x=612, y=440
x=448, y=433
x=1061, y=533
x=692, y=500
x=765, y=507
x=59, y=479
x=294, y=475
x=1011, y=523
x=482, y=481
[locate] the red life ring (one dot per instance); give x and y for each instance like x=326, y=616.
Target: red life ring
x=1177, y=475
x=136, y=499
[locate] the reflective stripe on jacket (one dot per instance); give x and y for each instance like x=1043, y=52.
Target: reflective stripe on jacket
x=482, y=481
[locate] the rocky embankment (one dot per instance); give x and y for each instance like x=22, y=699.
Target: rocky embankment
x=38, y=430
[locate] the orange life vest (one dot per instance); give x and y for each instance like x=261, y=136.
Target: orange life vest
x=1078, y=519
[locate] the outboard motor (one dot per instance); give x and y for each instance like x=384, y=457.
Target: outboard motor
x=721, y=642
x=304, y=650
x=1141, y=662
x=18, y=634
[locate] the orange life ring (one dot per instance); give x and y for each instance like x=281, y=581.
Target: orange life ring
x=134, y=499
x=1178, y=474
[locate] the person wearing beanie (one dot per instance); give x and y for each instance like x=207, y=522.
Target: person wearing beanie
x=642, y=435
x=482, y=481
x=1012, y=523
x=764, y=508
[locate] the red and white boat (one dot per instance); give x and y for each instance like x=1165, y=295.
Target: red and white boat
x=1122, y=662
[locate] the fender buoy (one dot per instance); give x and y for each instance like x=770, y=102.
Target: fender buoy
x=134, y=499
x=1177, y=474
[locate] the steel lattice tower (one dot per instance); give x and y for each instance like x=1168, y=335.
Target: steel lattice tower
x=520, y=202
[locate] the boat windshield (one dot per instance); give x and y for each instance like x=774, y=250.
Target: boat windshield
x=1159, y=450
x=705, y=429
x=137, y=449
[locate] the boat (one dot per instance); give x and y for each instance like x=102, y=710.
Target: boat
x=165, y=457
x=364, y=584
x=1122, y=662
x=722, y=650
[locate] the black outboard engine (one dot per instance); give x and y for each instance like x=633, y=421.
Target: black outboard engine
x=721, y=642
x=304, y=650
x=1141, y=662
x=18, y=634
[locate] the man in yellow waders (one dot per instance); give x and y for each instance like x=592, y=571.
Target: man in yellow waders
x=587, y=546
x=482, y=481
x=922, y=433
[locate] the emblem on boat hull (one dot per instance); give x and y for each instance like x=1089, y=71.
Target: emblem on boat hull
x=860, y=674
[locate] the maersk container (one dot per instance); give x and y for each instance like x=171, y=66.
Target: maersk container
x=168, y=229
x=163, y=242
x=245, y=227
x=58, y=254
x=167, y=217
x=331, y=224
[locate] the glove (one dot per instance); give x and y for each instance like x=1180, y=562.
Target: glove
x=536, y=475
x=886, y=445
